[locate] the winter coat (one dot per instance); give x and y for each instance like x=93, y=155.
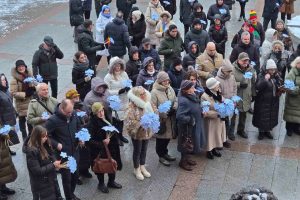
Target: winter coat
x=176, y=77
x=266, y=105
x=116, y=83
x=35, y=110
x=87, y=5
x=151, y=53
x=169, y=5
x=152, y=17
x=285, y=37
x=247, y=93
x=185, y=9
x=137, y=108
x=170, y=48
x=87, y=44
x=7, y=110
x=18, y=89
x=159, y=95
x=281, y=61
x=222, y=10
x=42, y=174
x=137, y=30
x=292, y=57
x=292, y=109
x=189, y=110
x=78, y=75
x=145, y=76
x=219, y=37
x=8, y=171
x=95, y=126
x=133, y=67
x=237, y=38
x=207, y=66
x=62, y=130
x=190, y=59
x=214, y=127
x=227, y=83
x=159, y=30
x=44, y=62
x=266, y=47
x=258, y=38
x=201, y=16
x=201, y=37
x=125, y=6
x=287, y=7
x=271, y=9
x=99, y=4
x=229, y=3
x=75, y=12
x=101, y=23
x=118, y=31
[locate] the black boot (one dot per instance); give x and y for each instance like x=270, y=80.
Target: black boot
x=226, y=144
x=243, y=134
x=268, y=135
x=231, y=132
x=210, y=155
x=215, y=152
x=3, y=196
x=101, y=186
x=261, y=135
x=124, y=139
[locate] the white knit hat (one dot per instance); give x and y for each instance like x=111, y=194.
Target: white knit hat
x=211, y=83
x=271, y=64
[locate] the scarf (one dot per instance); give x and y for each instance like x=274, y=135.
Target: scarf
x=217, y=97
x=106, y=15
x=218, y=27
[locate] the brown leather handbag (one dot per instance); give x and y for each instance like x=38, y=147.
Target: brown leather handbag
x=105, y=165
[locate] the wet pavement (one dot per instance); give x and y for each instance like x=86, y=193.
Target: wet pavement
x=269, y=163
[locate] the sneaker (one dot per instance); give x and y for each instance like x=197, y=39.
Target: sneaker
x=164, y=161
x=227, y=144
x=102, y=187
x=138, y=174
x=169, y=158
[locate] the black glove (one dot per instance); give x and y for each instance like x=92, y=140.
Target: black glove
x=100, y=47
x=171, y=112
x=127, y=89
x=29, y=91
x=243, y=85
x=121, y=91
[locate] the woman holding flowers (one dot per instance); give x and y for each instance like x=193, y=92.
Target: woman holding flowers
x=99, y=138
x=42, y=166
x=162, y=92
x=140, y=104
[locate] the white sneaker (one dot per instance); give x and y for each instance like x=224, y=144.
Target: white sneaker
x=138, y=173
x=145, y=172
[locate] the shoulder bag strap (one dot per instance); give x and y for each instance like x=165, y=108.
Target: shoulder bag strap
x=42, y=104
x=107, y=152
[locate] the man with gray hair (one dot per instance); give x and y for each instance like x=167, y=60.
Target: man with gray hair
x=246, y=46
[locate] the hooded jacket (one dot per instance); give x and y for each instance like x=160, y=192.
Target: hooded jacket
x=201, y=37
x=176, y=78
x=190, y=59
x=101, y=23
x=145, y=76
x=137, y=30
x=133, y=67
x=150, y=53
x=227, y=83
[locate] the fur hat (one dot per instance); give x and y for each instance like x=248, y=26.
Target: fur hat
x=162, y=76
x=72, y=93
x=137, y=14
x=271, y=64
x=96, y=107
x=211, y=83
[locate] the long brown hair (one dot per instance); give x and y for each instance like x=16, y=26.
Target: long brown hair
x=35, y=141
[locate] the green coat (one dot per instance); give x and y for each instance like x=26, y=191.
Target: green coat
x=247, y=93
x=8, y=172
x=170, y=48
x=292, y=108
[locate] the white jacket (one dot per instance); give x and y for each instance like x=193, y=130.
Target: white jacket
x=100, y=26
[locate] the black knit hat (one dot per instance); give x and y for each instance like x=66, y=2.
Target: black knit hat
x=176, y=62
x=20, y=62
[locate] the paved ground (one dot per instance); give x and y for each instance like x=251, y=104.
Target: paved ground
x=270, y=163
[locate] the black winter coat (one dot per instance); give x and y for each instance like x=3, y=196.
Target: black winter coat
x=42, y=174
x=87, y=5
x=201, y=37
x=266, y=106
x=133, y=67
x=170, y=6
x=219, y=37
x=216, y=9
x=137, y=31
x=185, y=9
x=229, y=3
x=151, y=53
x=7, y=110
x=44, y=62
x=292, y=57
x=89, y=46
x=117, y=30
x=95, y=126
x=200, y=16
x=271, y=9
x=75, y=12
x=176, y=78
x=190, y=58
x=143, y=77
x=237, y=38
x=125, y=6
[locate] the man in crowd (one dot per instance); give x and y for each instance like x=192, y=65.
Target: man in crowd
x=146, y=50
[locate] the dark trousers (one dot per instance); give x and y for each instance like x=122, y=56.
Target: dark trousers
x=242, y=121
x=266, y=23
x=230, y=124
x=242, y=14
x=139, y=152
x=69, y=181
x=111, y=178
x=22, y=123
x=162, y=146
x=294, y=127
x=53, y=84
x=186, y=28
x=288, y=16
x=87, y=14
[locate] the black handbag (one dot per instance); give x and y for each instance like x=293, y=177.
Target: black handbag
x=187, y=144
x=13, y=138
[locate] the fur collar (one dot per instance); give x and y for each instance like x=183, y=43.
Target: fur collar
x=146, y=106
x=18, y=76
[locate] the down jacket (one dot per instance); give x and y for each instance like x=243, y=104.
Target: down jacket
x=190, y=59
x=185, y=9
x=227, y=83
x=222, y=10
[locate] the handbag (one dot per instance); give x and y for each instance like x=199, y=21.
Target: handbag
x=187, y=144
x=105, y=165
x=13, y=138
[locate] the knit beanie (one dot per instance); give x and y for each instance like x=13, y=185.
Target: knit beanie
x=176, y=62
x=162, y=76
x=96, y=107
x=211, y=83
x=252, y=14
x=137, y=14
x=271, y=64
x=186, y=85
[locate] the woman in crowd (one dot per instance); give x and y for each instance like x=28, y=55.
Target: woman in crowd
x=163, y=25
x=99, y=138
x=114, y=80
x=192, y=75
x=22, y=93
x=266, y=48
x=190, y=124
x=190, y=58
x=242, y=6
x=148, y=73
x=176, y=74
x=137, y=28
x=214, y=125
x=266, y=104
x=284, y=35
x=198, y=13
x=140, y=104
x=42, y=166
x=292, y=109
x=134, y=64
x=162, y=92
x=79, y=77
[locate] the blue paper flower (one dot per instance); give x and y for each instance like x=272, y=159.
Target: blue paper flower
x=83, y=135
x=205, y=106
x=151, y=121
x=114, y=102
x=149, y=82
x=127, y=83
x=5, y=130
x=39, y=78
x=199, y=89
x=225, y=109
x=164, y=107
x=71, y=164
x=29, y=80
x=252, y=63
x=89, y=72
x=81, y=114
x=236, y=99
x=248, y=75
x=45, y=115
x=63, y=155
x=110, y=128
x=288, y=84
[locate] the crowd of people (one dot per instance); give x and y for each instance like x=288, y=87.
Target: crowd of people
x=262, y=63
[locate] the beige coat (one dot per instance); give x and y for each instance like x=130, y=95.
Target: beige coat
x=287, y=7
x=159, y=32
x=159, y=95
x=20, y=99
x=152, y=16
x=213, y=125
x=207, y=65
x=227, y=84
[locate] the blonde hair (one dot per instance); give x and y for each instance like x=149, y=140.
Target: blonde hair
x=137, y=90
x=295, y=62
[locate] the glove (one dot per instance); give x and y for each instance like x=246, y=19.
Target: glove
x=171, y=112
x=127, y=89
x=100, y=47
x=210, y=76
x=181, y=19
x=121, y=91
x=29, y=92
x=243, y=85
x=87, y=79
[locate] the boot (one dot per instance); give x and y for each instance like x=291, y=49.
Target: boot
x=7, y=191
x=268, y=135
x=3, y=196
x=226, y=144
x=183, y=164
x=261, y=135
x=124, y=139
x=102, y=187
x=138, y=173
x=216, y=153
x=190, y=161
x=145, y=172
x=231, y=132
x=210, y=155
x=243, y=134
